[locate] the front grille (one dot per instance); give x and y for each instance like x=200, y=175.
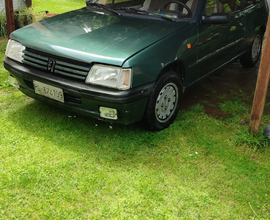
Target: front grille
x=29, y=84
x=73, y=99
x=63, y=67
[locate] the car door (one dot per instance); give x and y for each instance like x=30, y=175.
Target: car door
x=251, y=10
x=233, y=40
x=219, y=43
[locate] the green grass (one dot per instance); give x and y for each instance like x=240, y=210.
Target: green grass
x=223, y=96
x=56, y=6
x=198, y=108
x=233, y=107
x=58, y=165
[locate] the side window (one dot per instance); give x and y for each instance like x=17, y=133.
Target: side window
x=222, y=6
x=213, y=6
x=248, y=3
x=231, y=6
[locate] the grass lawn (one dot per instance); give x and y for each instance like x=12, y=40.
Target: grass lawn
x=56, y=6
x=58, y=165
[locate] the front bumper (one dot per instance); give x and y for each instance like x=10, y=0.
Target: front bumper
x=82, y=98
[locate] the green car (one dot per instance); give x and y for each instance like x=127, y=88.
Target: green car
x=124, y=61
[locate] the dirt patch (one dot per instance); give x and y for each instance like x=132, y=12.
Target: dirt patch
x=233, y=81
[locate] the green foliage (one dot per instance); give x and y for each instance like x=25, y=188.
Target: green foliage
x=3, y=73
x=231, y=106
x=222, y=96
x=55, y=6
x=21, y=17
x=203, y=101
x=3, y=22
x=24, y=17
x=267, y=104
x=254, y=141
x=197, y=107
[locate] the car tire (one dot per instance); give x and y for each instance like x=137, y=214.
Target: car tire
x=164, y=102
x=251, y=57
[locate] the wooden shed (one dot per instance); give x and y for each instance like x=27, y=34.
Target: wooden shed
x=17, y=5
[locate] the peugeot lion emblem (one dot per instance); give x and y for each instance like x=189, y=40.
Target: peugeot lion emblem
x=51, y=65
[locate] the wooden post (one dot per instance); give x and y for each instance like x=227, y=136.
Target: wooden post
x=262, y=84
x=28, y=3
x=10, y=16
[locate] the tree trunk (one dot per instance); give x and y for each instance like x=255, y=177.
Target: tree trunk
x=10, y=16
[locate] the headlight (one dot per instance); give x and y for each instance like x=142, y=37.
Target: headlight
x=109, y=76
x=15, y=50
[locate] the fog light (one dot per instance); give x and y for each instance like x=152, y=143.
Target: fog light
x=13, y=81
x=109, y=113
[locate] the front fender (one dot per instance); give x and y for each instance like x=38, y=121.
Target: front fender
x=178, y=47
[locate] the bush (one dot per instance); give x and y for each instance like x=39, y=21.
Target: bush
x=21, y=18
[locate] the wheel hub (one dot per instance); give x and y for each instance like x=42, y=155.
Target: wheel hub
x=166, y=102
x=256, y=47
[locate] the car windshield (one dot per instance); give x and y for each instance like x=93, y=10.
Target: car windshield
x=170, y=10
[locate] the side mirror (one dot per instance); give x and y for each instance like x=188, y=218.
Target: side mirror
x=217, y=18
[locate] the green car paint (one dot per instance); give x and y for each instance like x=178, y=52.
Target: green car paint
x=91, y=37
x=193, y=47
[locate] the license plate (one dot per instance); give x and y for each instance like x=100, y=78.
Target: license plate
x=49, y=91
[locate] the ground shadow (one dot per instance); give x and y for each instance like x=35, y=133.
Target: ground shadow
x=233, y=81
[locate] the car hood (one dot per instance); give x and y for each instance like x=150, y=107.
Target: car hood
x=89, y=36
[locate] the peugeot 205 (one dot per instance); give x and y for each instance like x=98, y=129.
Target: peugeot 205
x=125, y=61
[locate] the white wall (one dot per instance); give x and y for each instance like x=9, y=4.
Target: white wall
x=17, y=5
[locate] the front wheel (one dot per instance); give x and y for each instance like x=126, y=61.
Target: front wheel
x=164, y=102
x=251, y=57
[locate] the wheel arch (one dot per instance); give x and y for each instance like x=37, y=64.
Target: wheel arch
x=263, y=29
x=164, y=102
x=178, y=67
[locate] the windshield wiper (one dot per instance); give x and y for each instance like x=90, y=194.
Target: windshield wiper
x=147, y=12
x=102, y=6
